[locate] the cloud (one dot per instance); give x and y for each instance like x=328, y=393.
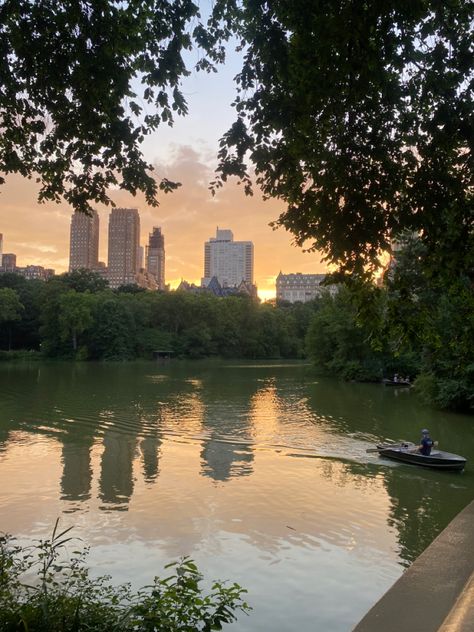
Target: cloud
x=37, y=247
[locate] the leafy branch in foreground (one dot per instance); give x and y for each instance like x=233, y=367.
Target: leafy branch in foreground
x=41, y=590
x=83, y=83
x=359, y=117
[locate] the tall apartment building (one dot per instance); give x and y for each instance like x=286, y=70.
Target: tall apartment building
x=155, y=257
x=84, y=242
x=8, y=262
x=124, y=247
x=228, y=260
x=300, y=287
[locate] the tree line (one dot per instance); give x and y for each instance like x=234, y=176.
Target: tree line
x=75, y=315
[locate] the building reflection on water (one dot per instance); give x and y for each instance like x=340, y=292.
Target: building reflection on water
x=76, y=478
x=126, y=420
x=124, y=427
x=149, y=449
x=227, y=422
x=223, y=460
x=116, y=474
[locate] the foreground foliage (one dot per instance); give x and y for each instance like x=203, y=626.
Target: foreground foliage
x=359, y=117
x=83, y=83
x=41, y=590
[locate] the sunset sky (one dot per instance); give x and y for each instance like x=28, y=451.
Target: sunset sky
x=39, y=234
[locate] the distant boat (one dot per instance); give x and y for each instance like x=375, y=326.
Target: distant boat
x=400, y=383
x=407, y=453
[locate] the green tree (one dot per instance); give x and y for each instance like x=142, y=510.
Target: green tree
x=84, y=280
x=10, y=310
x=433, y=317
x=75, y=315
x=112, y=335
x=52, y=344
x=25, y=331
x=338, y=344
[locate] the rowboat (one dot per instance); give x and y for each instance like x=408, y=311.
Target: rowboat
x=407, y=452
x=399, y=383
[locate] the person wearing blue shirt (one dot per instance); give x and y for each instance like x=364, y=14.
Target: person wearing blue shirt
x=426, y=443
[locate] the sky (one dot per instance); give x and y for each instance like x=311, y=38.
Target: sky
x=39, y=233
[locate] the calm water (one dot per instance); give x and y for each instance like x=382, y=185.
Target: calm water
x=259, y=472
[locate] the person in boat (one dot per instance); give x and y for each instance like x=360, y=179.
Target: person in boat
x=426, y=443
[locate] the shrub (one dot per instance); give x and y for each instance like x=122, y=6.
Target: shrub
x=62, y=597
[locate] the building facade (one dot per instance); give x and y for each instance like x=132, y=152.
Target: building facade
x=36, y=272
x=8, y=262
x=155, y=257
x=124, y=247
x=298, y=287
x=231, y=262
x=215, y=288
x=84, y=241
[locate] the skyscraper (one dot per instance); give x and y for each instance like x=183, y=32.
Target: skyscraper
x=124, y=243
x=84, y=243
x=1, y=248
x=9, y=262
x=228, y=260
x=155, y=257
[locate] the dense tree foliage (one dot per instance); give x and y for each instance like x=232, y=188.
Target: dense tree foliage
x=74, y=316
x=359, y=116
x=25, y=330
x=10, y=310
x=83, y=83
x=434, y=317
x=340, y=344
x=419, y=326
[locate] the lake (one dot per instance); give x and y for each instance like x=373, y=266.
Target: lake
x=259, y=472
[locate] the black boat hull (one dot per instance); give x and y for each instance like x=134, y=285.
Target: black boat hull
x=437, y=460
x=399, y=384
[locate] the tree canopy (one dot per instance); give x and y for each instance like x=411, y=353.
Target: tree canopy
x=358, y=115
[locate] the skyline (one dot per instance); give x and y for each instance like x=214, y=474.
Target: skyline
x=39, y=233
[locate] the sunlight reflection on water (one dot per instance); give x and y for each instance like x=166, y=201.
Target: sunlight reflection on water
x=258, y=471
